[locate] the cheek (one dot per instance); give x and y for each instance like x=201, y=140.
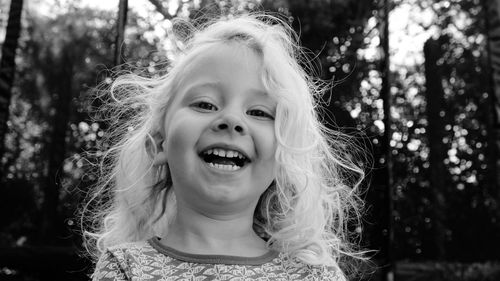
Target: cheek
x=180, y=139
x=271, y=141
x=267, y=144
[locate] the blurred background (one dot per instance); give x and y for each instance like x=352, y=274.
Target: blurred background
x=417, y=82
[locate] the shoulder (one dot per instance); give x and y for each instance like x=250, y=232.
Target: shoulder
x=299, y=270
x=130, y=249
x=129, y=254
x=118, y=262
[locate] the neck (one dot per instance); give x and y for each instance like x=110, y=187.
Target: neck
x=200, y=232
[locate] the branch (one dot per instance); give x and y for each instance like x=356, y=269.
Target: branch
x=159, y=7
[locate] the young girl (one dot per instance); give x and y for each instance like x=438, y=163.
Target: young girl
x=223, y=170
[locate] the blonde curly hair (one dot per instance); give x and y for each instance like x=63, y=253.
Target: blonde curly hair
x=304, y=214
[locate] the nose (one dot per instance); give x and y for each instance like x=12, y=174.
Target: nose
x=230, y=123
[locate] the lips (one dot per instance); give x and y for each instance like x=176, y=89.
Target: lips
x=224, y=158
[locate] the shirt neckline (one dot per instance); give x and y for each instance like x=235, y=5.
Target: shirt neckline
x=211, y=259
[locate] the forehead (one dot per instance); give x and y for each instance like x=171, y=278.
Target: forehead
x=232, y=65
x=230, y=57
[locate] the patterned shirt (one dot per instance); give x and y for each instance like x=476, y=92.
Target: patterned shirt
x=151, y=260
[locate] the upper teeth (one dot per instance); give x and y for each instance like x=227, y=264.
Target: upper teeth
x=225, y=153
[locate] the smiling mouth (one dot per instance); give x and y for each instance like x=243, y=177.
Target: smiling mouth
x=224, y=159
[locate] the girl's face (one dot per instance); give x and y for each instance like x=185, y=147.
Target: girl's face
x=219, y=131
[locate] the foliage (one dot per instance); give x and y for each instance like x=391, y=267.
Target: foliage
x=471, y=202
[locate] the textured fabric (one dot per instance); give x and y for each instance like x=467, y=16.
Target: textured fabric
x=149, y=260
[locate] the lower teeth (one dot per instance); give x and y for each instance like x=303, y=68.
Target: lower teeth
x=224, y=167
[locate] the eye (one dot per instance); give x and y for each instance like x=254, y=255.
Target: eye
x=205, y=106
x=260, y=114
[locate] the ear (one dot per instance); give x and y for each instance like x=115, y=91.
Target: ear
x=160, y=158
x=155, y=147
x=161, y=155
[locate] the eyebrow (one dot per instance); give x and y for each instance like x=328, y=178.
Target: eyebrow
x=218, y=86
x=215, y=85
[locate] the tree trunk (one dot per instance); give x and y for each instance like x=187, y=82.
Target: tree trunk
x=492, y=11
x=435, y=103
x=7, y=68
x=387, y=104
x=63, y=93
x=120, y=31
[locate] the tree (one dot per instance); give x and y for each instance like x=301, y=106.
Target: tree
x=435, y=109
x=430, y=191
x=63, y=58
x=7, y=68
x=492, y=10
x=120, y=30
